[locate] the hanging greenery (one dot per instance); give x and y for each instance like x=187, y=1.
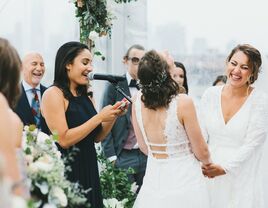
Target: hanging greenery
x=95, y=19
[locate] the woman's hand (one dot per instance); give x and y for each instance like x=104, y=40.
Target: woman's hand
x=110, y=112
x=123, y=107
x=212, y=170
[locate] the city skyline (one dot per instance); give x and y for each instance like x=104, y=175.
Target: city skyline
x=221, y=23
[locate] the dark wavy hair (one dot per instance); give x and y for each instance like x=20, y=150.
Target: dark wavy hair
x=157, y=86
x=185, y=83
x=10, y=68
x=254, y=57
x=66, y=55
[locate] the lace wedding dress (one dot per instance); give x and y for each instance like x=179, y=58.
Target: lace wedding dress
x=177, y=180
x=237, y=147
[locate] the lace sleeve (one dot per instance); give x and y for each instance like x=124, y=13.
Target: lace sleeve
x=255, y=136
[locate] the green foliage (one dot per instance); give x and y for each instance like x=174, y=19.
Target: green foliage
x=94, y=16
x=115, y=183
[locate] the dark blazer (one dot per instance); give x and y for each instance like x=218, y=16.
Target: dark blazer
x=114, y=142
x=23, y=109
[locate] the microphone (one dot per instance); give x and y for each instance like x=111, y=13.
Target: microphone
x=108, y=77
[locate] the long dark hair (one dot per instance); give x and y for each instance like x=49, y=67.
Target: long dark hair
x=10, y=68
x=185, y=83
x=254, y=57
x=66, y=55
x=157, y=86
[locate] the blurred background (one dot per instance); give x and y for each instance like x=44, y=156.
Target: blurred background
x=198, y=33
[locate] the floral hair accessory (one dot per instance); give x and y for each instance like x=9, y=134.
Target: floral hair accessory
x=155, y=83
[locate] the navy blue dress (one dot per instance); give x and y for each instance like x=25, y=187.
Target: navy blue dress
x=84, y=168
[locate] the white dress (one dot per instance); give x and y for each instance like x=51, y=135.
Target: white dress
x=174, y=182
x=237, y=147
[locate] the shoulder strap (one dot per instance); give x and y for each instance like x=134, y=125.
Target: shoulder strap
x=139, y=117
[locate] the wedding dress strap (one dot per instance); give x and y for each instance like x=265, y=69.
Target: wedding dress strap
x=167, y=144
x=139, y=117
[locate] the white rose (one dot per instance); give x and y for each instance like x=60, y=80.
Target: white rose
x=58, y=196
x=93, y=35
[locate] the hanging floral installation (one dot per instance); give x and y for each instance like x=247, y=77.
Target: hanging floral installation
x=96, y=19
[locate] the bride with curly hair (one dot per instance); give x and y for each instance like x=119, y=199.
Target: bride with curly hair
x=167, y=130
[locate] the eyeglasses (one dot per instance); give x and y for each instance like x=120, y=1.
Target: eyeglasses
x=134, y=60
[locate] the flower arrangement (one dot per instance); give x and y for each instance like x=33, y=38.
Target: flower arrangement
x=117, y=191
x=95, y=18
x=45, y=170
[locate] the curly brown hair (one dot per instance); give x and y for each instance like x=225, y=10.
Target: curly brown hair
x=10, y=68
x=157, y=86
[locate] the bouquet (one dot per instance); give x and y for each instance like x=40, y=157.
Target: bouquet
x=45, y=170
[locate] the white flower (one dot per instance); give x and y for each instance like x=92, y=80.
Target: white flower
x=134, y=187
x=57, y=196
x=43, y=187
x=26, y=128
x=114, y=203
x=110, y=203
x=41, y=138
x=42, y=164
x=93, y=35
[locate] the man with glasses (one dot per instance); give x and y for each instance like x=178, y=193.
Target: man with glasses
x=120, y=146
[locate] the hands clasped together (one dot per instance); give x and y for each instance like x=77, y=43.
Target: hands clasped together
x=212, y=170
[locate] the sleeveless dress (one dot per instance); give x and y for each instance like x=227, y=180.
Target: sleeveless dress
x=237, y=147
x=176, y=181
x=84, y=168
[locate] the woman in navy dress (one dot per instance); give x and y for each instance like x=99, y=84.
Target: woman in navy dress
x=69, y=111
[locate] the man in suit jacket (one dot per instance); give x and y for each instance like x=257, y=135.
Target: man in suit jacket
x=33, y=72
x=120, y=146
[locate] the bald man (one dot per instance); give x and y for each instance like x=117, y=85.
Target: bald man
x=28, y=106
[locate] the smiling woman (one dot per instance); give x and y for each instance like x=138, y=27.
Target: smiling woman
x=234, y=118
x=70, y=112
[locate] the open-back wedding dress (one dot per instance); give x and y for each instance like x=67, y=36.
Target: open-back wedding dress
x=175, y=181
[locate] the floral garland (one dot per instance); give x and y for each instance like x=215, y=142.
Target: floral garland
x=95, y=19
x=46, y=171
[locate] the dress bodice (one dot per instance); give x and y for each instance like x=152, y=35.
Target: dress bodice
x=176, y=141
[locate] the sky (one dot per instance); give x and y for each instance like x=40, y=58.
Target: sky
x=218, y=21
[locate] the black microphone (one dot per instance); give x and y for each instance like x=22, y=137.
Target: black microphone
x=108, y=77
